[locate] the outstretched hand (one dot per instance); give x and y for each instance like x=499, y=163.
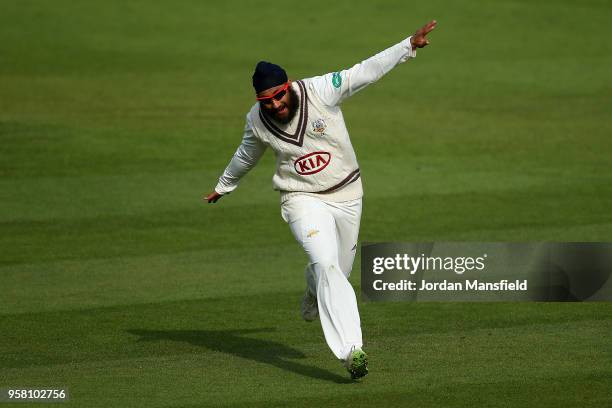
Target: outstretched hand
x=213, y=197
x=419, y=40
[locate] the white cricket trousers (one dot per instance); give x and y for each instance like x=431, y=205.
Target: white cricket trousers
x=328, y=233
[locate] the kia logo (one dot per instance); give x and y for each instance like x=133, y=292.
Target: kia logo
x=312, y=163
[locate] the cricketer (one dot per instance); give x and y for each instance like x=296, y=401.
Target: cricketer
x=319, y=181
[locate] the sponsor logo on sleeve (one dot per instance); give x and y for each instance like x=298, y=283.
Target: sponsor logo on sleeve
x=336, y=80
x=312, y=163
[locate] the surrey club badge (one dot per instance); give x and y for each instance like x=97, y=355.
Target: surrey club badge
x=319, y=126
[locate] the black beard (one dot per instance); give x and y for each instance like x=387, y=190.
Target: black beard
x=293, y=105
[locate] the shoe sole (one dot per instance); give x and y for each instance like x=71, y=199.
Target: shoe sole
x=359, y=365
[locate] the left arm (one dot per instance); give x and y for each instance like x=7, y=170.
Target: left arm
x=333, y=88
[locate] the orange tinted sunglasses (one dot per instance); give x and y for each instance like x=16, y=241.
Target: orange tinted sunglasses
x=278, y=95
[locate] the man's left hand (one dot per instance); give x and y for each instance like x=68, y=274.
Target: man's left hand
x=418, y=40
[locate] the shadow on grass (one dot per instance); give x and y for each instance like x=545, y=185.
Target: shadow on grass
x=233, y=342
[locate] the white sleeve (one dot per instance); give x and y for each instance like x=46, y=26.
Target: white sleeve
x=334, y=87
x=246, y=157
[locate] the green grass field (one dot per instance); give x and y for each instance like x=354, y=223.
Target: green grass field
x=120, y=284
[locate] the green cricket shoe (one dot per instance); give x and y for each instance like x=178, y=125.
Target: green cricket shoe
x=357, y=363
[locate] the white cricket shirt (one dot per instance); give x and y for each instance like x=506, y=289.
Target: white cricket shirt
x=313, y=151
